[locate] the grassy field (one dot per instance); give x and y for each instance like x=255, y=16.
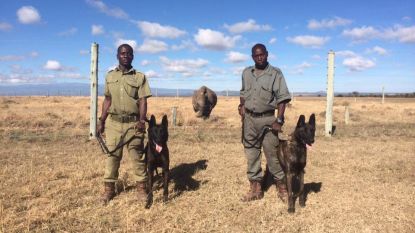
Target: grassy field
x=360, y=180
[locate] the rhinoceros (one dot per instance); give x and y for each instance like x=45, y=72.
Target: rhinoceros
x=204, y=100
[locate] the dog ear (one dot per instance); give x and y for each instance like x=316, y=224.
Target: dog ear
x=152, y=121
x=164, y=121
x=301, y=121
x=312, y=120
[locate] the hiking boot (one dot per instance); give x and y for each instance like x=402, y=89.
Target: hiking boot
x=109, y=192
x=142, y=191
x=282, y=189
x=255, y=192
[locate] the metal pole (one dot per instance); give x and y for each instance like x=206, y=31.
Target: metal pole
x=330, y=94
x=94, y=91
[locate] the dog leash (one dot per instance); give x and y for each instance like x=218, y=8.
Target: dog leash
x=120, y=144
x=259, y=139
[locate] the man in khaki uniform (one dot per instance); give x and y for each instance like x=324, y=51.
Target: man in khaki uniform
x=263, y=90
x=125, y=108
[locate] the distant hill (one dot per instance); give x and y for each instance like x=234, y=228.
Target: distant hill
x=83, y=89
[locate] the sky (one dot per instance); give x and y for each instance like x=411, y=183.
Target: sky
x=186, y=44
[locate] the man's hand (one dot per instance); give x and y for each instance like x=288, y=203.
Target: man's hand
x=140, y=126
x=241, y=110
x=101, y=127
x=276, y=127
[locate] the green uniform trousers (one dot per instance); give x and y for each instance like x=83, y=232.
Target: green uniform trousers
x=253, y=127
x=137, y=163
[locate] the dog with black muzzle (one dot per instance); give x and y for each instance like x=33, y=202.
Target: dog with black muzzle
x=157, y=155
x=292, y=155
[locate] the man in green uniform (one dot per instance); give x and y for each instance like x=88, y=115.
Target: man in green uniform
x=263, y=90
x=124, y=113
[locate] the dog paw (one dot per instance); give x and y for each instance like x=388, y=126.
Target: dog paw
x=291, y=210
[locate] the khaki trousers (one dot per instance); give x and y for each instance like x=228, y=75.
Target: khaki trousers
x=252, y=131
x=136, y=158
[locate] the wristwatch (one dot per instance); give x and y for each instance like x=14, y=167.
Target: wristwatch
x=280, y=120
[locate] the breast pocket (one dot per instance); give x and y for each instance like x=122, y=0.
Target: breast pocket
x=266, y=93
x=113, y=86
x=131, y=88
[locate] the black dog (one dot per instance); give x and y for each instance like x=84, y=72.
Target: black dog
x=157, y=155
x=292, y=156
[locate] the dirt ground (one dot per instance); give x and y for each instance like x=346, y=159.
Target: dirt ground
x=360, y=180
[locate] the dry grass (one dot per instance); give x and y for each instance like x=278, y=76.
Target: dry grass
x=362, y=179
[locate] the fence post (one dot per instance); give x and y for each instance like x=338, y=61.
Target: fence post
x=383, y=94
x=94, y=91
x=346, y=115
x=174, y=114
x=330, y=94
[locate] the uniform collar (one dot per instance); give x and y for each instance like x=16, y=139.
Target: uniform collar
x=267, y=70
x=132, y=70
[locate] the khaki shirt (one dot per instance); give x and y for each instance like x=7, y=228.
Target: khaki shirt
x=125, y=89
x=265, y=92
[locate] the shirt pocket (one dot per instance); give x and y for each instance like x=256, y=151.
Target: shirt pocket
x=131, y=88
x=266, y=93
x=112, y=86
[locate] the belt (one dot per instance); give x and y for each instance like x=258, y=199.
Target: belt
x=260, y=114
x=124, y=118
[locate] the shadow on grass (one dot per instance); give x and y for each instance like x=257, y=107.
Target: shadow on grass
x=182, y=176
x=308, y=187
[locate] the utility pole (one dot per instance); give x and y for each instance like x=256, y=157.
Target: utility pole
x=330, y=94
x=94, y=91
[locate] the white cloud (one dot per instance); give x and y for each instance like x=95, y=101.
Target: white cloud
x=316, y=57
x=150, y=29
x=5, y=26
x=28, y=15
x=187, y=67
x=186, y=44
x=152, y=74
x=52, y=65
x=238, y=70
x=361, y=34
x=214, y=40
x=272, y=40
x=18, y=69
x=132, y=43
x=69, y=32
x=145, y=62
x=114, y=12
x=152, y=46
x=12, y=58
x=299, y=69
x=97, y=30
x=358, y=63
x=309, y=41
x=328, y=23
x=236, y=57
x=406, y=18
x=400, y=33
x=247, y=26
x=71, y=76
x=346, y=53
x=378, y=50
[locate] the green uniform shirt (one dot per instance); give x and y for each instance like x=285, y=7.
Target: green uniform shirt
x=265, y=92
x=125, y=89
